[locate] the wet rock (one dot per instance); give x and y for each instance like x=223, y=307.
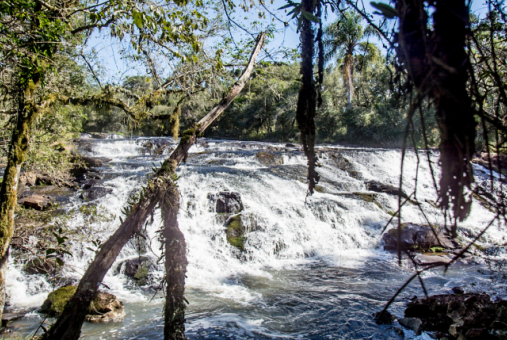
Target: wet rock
x=104, y=308
x=9, y=317
x=365, y=196
x=227, y=202
x=89, y=184
x=132, y=266
x=458, y=290
x=413, y=324
x=466, y=316
x=95, y=192
x=416, y=237
x=384, y=318
x=86, y=145
x=91, y=162
x=41, y=266
x=138, y=269
x=341, y=162
x=385, y=188
x=290, y=145
x=269, y=158
x=37, y=202
x=356, y=174
x=236, y=231
x=99, y=135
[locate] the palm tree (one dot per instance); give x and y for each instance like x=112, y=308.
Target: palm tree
x=343, y=38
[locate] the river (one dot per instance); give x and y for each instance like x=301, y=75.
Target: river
x=312, y=268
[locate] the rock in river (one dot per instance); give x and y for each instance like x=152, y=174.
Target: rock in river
x=463, y=316
x=269, y=158
x=416, y=237
x=226, y=202
x=95, y=192
x=104, y=308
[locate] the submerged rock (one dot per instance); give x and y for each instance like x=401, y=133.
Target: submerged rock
x=104, y=308
x=269, y=158
x=95, y=192
x=417, y=237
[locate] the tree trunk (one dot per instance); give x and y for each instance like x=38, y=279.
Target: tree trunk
x=307, y=99
x=8, y=192
x=175, y=266
x=68, y=325
x=349, y=77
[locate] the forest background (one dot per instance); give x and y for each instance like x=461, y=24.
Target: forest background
x=265, y=109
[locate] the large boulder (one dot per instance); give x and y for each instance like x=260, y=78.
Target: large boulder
x=416, y=237
x=104, y=308
x=458, y=316
x=95, y=192
x=37, y=202
x=269, y=158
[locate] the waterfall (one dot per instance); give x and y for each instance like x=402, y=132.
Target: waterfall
x=303, y=256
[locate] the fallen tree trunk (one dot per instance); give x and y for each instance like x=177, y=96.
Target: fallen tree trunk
x=68, y=325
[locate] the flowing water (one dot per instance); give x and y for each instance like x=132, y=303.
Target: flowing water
x=313, y=267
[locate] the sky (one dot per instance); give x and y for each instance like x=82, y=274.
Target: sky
x=113, y=69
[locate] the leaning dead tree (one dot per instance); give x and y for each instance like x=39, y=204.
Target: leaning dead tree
x=160, y=190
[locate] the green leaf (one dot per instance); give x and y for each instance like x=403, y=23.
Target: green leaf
x=59, y=261
x=309, y=16
x=50, y=251
x=138, y=19
x=290, y=4
x=385, y=10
